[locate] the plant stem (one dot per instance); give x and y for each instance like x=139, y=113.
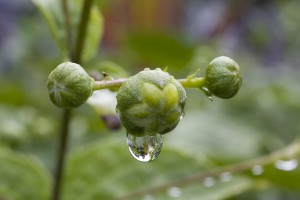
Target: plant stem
x=116, y=84
x=192, y=82
x=82, y=31
x=291, y=151
x=64, y=132
x=66, y=116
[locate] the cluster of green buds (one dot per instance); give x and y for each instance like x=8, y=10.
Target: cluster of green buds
x=150, y=103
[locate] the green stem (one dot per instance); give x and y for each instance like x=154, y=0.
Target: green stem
x=61, y=154
x=291, y=151
x=82, y=31
x=116, y=84
x=76, y=57
x=109, y=84
x=192, y=82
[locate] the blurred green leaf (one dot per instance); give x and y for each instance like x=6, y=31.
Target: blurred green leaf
x=285, y=179
x=22, y=177
x=94, y=34
x=106, y=170
x=110, y=68
x=160, y=49
x=212, y=135
x=47, y=10
x=55, y=18
x=216, y=191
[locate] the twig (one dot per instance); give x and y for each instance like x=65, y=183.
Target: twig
x=76, y=57
x=115, y=84
x=289, y=152
x=61, y=153
x=86, y=8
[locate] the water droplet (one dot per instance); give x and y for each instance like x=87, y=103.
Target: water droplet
x=174, y=192
x=209, y=182
x=145, y=148
x=286, y=165
x=182, y=115
x=207, y=93
x=148, y=197
x=257, y=170
x=226, y=176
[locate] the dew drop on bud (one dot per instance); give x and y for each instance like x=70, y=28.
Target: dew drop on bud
x=145, y=148
x=207, y=93
x=182, y=115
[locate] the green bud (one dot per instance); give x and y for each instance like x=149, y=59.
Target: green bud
x=69, y=85
x=223, y=78
x=150, y=102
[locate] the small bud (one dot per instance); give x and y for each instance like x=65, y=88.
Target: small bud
x=69, y=85
x=150, y=102
x=223, y=78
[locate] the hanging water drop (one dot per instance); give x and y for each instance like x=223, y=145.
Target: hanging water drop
x=145, y=148
x=182, y=115
x=207, y=93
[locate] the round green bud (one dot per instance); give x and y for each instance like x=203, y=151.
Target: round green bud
x=223, y=78
x=69, y=85
x=150, y=102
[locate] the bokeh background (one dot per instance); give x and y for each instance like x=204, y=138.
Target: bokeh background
x=261, y=35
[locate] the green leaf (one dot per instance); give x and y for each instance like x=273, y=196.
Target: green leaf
x=281, y=178
x=161, y=49
x=94, y=29
x=219, y=190
x=94, y=33
x=53, y=13
x=47, y=10
x=106, y=170
x=22, y=177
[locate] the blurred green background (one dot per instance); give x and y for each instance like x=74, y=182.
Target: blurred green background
x=129, y=35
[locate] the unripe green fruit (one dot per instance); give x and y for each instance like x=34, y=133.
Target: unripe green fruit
x=150, y=102
x=69, y=85
x=223, y=78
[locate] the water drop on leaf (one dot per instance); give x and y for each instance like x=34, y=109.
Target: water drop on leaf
x=226, y=177
x=257, y=170
x=207, y=93
x=286, y=165
x=145, y=148
x=174, y=192
x=208, y=182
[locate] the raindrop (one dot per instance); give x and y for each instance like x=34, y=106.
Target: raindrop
x=182, y=115
x=209, y=182
x=226, y=176
x=286, y=165
x=148, y=197
x=207, y=93
x=174, y=192
x=257, y=170
x=145, y=148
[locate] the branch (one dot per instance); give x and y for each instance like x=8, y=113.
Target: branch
x=289, y=152
x=82, y=31
x=116, y=84
x=76, y=57
x=66, y=117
